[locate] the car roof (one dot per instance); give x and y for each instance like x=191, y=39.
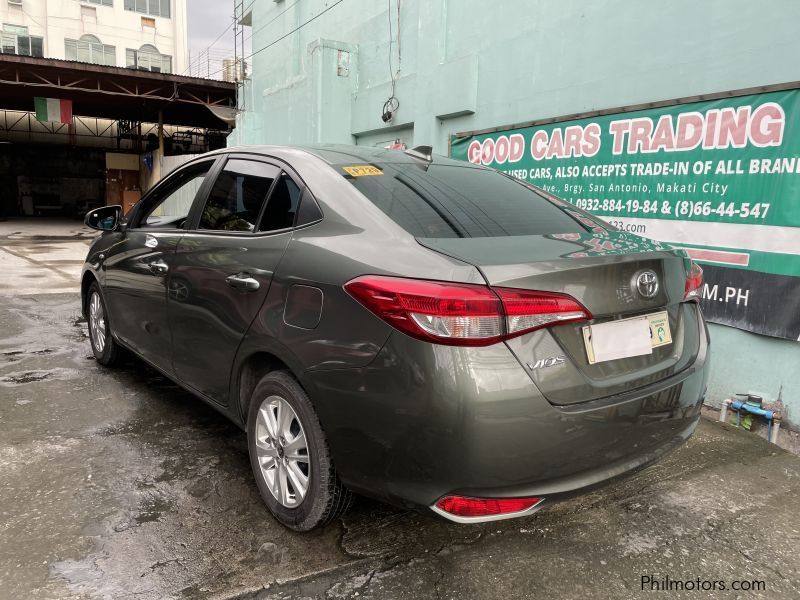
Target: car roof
x=342, y=153
x=339, y=154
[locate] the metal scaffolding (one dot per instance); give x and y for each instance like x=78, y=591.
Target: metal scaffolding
x=242, y=19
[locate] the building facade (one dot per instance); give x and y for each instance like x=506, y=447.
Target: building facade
x=331, y=71
x=141, y=34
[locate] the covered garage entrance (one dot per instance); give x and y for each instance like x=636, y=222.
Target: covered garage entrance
x=74, y=136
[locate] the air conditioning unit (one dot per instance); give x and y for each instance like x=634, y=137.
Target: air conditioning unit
x=15, y=2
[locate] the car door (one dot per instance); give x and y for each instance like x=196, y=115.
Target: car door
x=223, y=268
x=136, y=272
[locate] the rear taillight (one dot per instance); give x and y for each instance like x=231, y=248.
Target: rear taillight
x=694, y=283
x=461, y=314
x=461, y=506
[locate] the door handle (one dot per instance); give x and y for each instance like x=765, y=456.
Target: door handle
x=243, y=281
x=158, y=267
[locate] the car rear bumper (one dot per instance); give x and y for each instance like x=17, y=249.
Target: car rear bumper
x=423, y=421
x=561, y=487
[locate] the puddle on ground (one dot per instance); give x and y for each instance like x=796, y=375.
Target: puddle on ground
x=25, y=377
x=18, y=355
x=28, y=377
x=152, y=509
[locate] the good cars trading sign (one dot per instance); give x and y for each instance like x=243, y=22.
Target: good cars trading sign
x=719, y=178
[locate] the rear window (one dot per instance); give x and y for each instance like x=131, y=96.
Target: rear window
x=447, y=201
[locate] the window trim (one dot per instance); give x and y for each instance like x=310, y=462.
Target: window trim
x=268, y=196
x=133, y=222
x=193, y=221
x=302, y=184
x=195, y=226
x=301, y=188
x=313, y=199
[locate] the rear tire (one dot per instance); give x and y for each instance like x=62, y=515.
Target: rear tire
x=105, y=349
x=290, y=457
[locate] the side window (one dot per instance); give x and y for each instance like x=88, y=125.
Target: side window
x=282, y=205
x=309, y=211
x=169, y=208
x=238, y=196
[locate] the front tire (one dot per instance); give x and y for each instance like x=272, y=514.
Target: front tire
x=105, y=349
x=290, y=457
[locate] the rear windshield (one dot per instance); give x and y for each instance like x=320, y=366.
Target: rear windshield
x=447, y=201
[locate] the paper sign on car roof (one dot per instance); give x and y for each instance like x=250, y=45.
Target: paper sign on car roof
x=362, y=170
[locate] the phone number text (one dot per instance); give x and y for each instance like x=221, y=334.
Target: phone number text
x=681, y=208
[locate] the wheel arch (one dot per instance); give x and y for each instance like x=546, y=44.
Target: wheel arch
x=87, y=279
x=251, y=370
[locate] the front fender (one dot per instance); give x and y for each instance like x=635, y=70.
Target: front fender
x=93, y=268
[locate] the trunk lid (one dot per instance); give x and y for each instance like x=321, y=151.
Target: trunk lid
x=600, y=270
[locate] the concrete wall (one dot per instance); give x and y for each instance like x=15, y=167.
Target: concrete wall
x=470, y=64
x=162, y=166
x=57, y=20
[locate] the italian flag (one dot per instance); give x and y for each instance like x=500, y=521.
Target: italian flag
x=53, y=109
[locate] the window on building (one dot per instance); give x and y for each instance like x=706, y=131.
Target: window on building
x=148, y=58
x=154, y=8
x=90, y=49
x=15, y=39
x=89, y=14
x=100, y=2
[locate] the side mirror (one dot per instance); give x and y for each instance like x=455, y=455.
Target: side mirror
x=104, y=219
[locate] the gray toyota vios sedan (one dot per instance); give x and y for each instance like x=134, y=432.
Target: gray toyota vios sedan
x=428, y=332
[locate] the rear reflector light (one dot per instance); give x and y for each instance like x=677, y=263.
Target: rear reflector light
x=461, y=314
x=460, y=506
x=694, y=283
x=529, y=310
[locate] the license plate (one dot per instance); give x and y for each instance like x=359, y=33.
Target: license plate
x=636, y=336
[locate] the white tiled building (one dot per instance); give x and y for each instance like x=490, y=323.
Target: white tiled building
x=142, y=34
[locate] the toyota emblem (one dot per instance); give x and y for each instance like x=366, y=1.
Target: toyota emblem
x=647, y=284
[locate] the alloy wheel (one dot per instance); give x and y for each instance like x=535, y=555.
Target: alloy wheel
x=282, y=451
x=97, y=322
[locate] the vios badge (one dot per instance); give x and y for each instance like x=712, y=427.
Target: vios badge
x=543, y=363
x=646, y=283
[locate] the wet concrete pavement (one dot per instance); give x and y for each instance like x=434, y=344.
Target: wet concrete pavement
x=42, y=256
x=118, y=484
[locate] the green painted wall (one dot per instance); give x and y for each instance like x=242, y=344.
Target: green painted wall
x=470, y=64
x=745, y=362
